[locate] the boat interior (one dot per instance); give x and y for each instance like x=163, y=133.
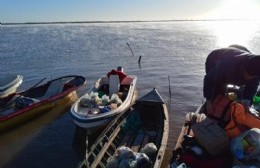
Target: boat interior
x=38, y=93
x=144, y=125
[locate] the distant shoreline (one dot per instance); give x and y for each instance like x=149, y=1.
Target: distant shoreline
x=133, y=21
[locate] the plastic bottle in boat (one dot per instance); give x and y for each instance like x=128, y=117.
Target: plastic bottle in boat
x=256, y=101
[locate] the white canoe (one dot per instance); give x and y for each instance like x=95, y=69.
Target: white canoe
x=97, y=114
x=9, y=84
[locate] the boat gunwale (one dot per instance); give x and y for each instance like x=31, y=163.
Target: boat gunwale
x=18, y=80
x=45, y=101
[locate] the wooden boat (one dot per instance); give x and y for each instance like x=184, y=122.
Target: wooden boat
x=188, y=121
x=209, y=145
x=145, y=122
x=186, y=143
x=9, y=84
x=186, y=138
x=108, y=97
x=19, y=107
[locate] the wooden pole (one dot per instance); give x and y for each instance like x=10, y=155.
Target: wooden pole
x=130, y=49
x=87, y=164
x=139, y=60
x=169, y=86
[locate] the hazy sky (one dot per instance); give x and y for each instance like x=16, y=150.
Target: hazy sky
x=120, y=10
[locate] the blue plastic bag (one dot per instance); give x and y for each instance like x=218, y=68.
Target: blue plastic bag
x=247, y=145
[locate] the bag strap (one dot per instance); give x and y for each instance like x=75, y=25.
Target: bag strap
x=221, y=120
x=233, y=117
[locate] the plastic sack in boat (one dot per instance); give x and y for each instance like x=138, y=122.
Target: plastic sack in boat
x=22, y=102
x=138, y=160
x=113, y=162
x=104, y=109
x=127, y=163
x=95, y=99
x=93, y=95
x=126, y=158
x=247, y=145
x=142, y=160
x=85, y=101
x=105, y=99
x=124, y=152
x=150, y=150
x=115, y=99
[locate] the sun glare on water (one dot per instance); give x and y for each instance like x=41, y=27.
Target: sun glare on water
x=236, y=31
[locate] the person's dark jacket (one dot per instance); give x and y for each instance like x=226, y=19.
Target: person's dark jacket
x=227, y=66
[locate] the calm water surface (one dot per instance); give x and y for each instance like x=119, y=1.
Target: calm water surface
x=169, y=49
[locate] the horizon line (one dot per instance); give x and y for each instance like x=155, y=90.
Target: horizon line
x=126, y=21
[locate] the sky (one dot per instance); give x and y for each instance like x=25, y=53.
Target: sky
x=20, y=11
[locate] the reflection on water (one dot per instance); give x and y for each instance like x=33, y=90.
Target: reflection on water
x=79, y=142
x=14, y=141
x=82, y=139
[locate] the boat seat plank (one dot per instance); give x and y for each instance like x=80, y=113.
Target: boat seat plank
x=125, y=140
x=130, y=141
x=137, y=143
x=54, y=88
x=146, y=140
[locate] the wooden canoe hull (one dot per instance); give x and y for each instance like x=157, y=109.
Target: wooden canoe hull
x=35, y=111
x=154, y=128
x=42, y=99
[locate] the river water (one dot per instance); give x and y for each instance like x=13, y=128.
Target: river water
x=169, y=50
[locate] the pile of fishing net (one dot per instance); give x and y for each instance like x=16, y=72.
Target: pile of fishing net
x=126, y=158
x=100, y=103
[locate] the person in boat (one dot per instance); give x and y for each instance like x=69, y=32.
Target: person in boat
x=232, y=65
x=118, y=72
